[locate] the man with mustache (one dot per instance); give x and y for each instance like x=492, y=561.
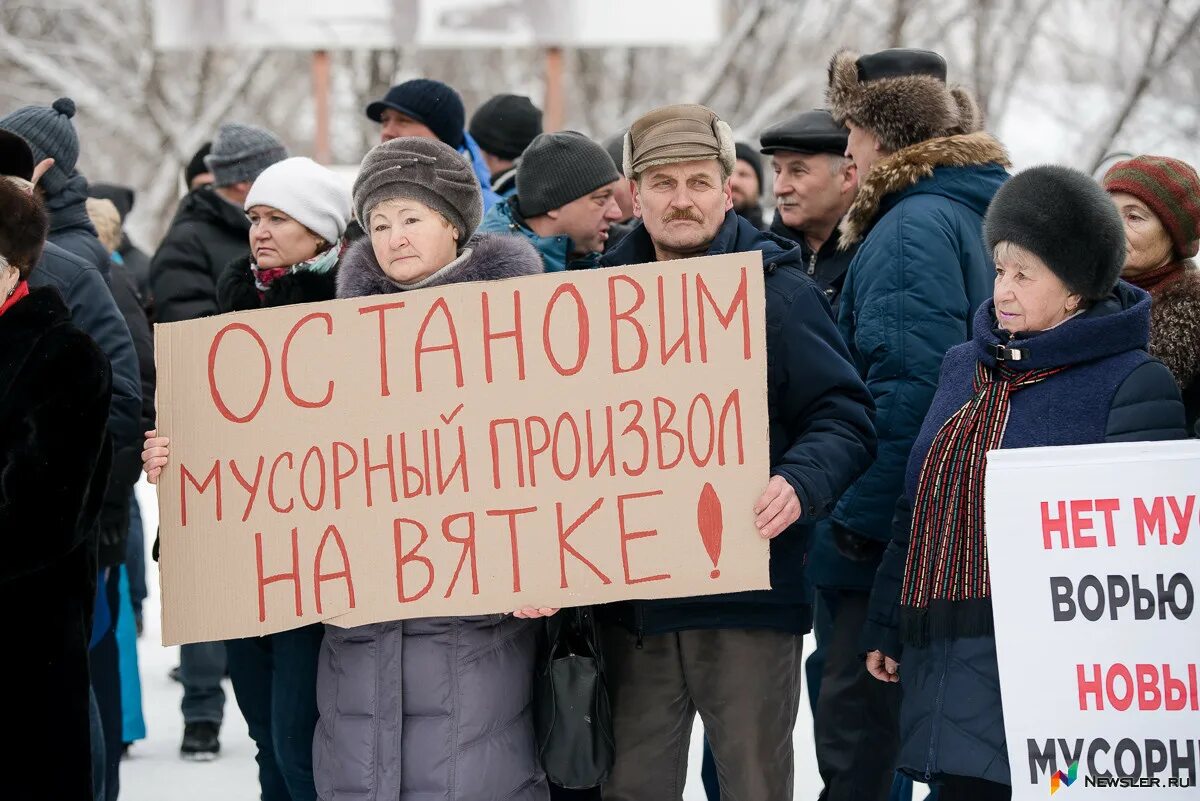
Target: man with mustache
x=733, y=658
x=565, y=202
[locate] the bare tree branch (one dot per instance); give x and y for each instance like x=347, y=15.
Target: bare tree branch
x=1152, y=66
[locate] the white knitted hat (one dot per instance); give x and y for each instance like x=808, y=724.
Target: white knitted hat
x=310, y=194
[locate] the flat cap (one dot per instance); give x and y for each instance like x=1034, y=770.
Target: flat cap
x=675, y=134
x=807, y=132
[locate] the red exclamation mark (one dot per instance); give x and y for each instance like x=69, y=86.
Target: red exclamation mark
x=709, y=520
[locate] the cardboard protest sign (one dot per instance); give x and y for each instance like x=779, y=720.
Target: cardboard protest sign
x=1094, y=562
x=553, y=440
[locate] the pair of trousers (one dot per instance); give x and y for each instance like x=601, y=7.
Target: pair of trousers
x=105, y=665
x=857, y=718
x=201, y=669
x=275, y=682
x=969, y=788
x=745, y=684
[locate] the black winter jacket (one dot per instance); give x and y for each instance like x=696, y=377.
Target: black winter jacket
x=821, y=434
x=93, y=311
x=54, y=399
x=207, y=233
x=236, y=290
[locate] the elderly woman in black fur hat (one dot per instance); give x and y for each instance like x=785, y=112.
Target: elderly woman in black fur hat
x=1058, y=358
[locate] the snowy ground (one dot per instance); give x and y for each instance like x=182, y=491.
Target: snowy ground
x=154, y=772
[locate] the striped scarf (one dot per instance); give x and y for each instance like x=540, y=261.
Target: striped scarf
x=946, y=592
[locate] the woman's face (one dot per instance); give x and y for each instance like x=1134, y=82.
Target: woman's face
x=276, y=240
x=411, y=240
x=1147, y=243
x=1029, y=297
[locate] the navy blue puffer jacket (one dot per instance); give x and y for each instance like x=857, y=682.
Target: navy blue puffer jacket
x=910, y=293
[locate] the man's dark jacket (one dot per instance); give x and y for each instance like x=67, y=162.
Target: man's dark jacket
x=821, y=434
x=207, y=233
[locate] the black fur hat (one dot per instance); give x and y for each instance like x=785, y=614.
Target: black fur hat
x=1065, y=219
x=899, y=95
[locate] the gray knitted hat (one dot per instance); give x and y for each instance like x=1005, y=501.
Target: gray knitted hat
x=559, y=167
x=51, y=135
x=241, y=152
x=424, y=170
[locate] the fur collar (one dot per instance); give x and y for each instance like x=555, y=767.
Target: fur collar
x=904, y=168
x=1175, y=326
x=493, y=257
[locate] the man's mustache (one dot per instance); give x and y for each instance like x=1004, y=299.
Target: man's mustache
x=682, y=215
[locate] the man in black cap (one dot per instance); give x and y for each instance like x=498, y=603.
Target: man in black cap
x=746, y=184
x=196, y=174
x=615, y=145
x=503, y=127
x=565, y=201
x=926, y=174
x=814, y=186
x=430, y=109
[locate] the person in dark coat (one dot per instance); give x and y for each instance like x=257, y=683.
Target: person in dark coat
x=136, y=261
x=196, y=173
x=565, y=202
x=926, y=173
x=462, y=696
x=210, y=228
x=1058, y=357
x=298, y=212
x=503, y=127
x=746, y=183
x=1159, y=201
x=55, y=389
x=734, y=658
x=75, y=263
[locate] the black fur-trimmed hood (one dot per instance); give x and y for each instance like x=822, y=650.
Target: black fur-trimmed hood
x=491, y=257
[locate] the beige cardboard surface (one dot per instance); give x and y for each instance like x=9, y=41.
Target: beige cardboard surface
x=410, y=455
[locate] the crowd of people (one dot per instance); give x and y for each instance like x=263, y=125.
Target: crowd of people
x=923, y=306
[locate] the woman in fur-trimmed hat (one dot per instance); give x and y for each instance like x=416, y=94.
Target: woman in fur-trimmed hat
x=1058, y=357
x=1159, y=201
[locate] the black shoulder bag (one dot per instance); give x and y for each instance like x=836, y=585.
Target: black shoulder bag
x=572, y=717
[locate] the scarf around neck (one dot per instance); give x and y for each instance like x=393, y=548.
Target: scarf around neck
x=322, y=263
x=946, y=590
x=1159, y=278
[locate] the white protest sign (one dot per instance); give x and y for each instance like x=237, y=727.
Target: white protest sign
x=1094, y=554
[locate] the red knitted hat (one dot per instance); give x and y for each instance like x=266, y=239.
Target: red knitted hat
x=1170, y=188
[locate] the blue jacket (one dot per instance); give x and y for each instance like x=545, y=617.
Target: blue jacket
x=820, y=433
x=1112, y=391
x=471, y=152
x=919, y=275
x=505, y=218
